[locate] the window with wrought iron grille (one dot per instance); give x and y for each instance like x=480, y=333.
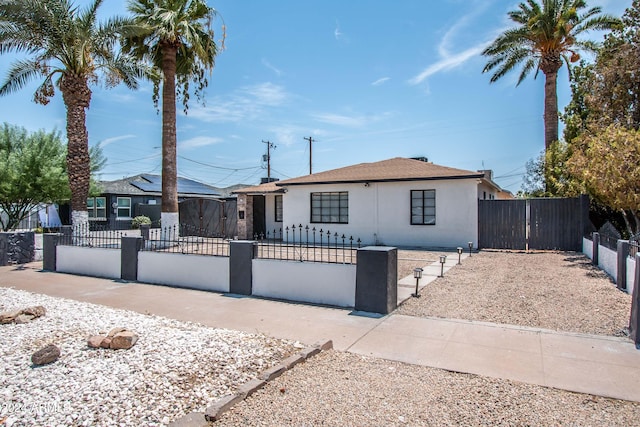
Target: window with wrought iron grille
x=330, y=208
x=423, y=207
x=97, y=207
x=124, y=207
x=278, y=209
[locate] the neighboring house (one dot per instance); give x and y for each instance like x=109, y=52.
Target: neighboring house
x=397, y=202
x=123, y=199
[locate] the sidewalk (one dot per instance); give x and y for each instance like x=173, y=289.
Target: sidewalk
x=603, y=366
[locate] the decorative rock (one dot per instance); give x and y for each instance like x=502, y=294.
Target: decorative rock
x=123, y=340
x=22, y=316
x=94, y=341
x=36, y=311
x=45, y=355
x=106, y=342
x=115, y=331
x=9, y=316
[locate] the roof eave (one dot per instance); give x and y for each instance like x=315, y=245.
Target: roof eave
x=362, y=181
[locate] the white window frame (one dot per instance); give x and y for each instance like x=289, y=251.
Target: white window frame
x=120, y=207
x=94, y=210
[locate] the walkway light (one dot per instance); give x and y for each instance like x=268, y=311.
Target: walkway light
x=417, y=274
x=443, y=259
x=470, y=247
x=459, y=254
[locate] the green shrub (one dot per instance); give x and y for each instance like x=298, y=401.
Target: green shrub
x=140, y=220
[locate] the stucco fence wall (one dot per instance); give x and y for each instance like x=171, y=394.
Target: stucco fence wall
x=608, y=261
x=308, y=282
x=208, y=273
x=96, y=262
x=631, y=269
x=332, y=284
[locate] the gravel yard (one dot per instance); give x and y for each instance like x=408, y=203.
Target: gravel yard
x=343, y=389
x=174, y=368
x=551, y=290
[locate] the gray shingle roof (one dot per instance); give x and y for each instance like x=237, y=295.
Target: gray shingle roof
x=396, y=169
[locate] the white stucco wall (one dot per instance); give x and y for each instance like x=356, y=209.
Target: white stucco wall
x=332, y=284
x=587, y=248
x=608, y=261
x=96, y=262
x=208, y=273
x=631, y=274
x=380, y=213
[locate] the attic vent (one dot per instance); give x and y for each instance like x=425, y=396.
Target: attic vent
x=421, y=159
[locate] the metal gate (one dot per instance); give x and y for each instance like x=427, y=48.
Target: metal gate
x=537, y=224
x=209, y=217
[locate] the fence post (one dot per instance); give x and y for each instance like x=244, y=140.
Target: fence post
x=129, y=249
x=241, y=255
x=596, y=247
x=622, y=253
x=4, y=249
x=49, y=248
x=634, y=321
x=377, y=279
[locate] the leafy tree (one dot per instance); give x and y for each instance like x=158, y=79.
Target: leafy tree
x=32, y=171
x=65, y=42
x=607, y=162
x=547, y=175
x=178, y=40
x=544, y=39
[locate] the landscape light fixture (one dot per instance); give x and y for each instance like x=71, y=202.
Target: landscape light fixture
x=470, y=247
x=459, y=254
x=417, y=274
x=443, y=259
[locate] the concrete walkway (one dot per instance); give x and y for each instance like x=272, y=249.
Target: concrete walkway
x=603, y=366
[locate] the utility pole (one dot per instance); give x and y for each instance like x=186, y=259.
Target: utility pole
x=310, y=139
x=270, y=145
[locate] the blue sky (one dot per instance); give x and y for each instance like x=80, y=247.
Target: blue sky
x=367, y=80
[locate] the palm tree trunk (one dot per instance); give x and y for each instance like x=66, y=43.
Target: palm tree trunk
x=550, y=108
x=169, y=214
x=77, y=96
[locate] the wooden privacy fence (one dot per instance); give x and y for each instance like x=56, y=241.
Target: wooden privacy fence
x=541, y=223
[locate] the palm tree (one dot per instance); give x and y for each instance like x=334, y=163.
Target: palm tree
x=545, y=39
x=179, y=42
x=65, y=42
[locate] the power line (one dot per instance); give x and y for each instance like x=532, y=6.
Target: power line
x=214, y=166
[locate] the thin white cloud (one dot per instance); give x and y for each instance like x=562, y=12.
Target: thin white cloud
x=448, y=58
x=448, y=63
x=354, y=121
x=271, y=67
x=247, y=103
x=381, y=81
x=340, y=120
x=337, y=33
x=109, y=141
x=199, y=141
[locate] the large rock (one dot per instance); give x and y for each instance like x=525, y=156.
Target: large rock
x=46, y=355
x=123, y=340
x=22, y=316
x=94, y=341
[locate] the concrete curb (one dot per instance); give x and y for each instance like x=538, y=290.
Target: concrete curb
x=215, y=410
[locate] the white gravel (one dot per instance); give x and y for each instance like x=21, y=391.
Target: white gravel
x=174, y=368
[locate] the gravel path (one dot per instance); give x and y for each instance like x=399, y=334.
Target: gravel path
x=343, y=389
x=174, y=368
x=551, y=290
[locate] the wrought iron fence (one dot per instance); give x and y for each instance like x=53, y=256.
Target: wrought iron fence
x=184, y=239
x=610, y=242
x=302, y=243
x=634, y=245
x=91, y=235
